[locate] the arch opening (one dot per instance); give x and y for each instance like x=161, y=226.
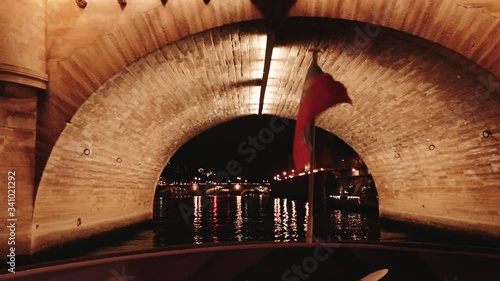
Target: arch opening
x=221, y=186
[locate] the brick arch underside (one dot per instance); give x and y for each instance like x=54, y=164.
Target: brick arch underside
x=408, y=94
x=119, y=37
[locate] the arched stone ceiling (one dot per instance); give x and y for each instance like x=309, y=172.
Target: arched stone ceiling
x=408, y=95
x=88, y=46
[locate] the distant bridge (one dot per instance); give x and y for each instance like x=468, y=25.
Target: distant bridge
x=191, y=189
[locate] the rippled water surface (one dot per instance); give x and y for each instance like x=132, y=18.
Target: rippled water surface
x=251, y=218
x=239, y=219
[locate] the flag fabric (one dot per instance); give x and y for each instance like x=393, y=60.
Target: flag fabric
x=320, y=91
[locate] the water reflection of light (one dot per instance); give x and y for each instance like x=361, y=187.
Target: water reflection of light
x=215, y=220
x=239, y=219
x=339, y=224
x=293, y=222
x=254, y=218
x=277, y=219
x=337, y=219
x=198, y=239
x=348, y=225
x=160, y=210
x=306, y=216
x=285, y=233
x=354, y=220
x=246, y=210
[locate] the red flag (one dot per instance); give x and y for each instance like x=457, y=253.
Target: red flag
x=320, y=91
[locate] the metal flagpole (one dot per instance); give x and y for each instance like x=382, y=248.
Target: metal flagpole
x=310, y=217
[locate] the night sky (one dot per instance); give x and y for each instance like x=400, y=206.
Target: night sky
x=231, y=142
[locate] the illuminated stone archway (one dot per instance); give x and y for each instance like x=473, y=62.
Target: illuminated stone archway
x=119, y=37
x=135, y=106
x=425, y=150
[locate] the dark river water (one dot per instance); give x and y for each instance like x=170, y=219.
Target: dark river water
x=251, y=218
x=202, y=221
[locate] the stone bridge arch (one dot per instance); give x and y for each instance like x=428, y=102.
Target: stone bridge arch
x=119, y=37
x=108, y=125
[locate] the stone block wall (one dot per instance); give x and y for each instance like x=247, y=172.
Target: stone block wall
x=18, y=109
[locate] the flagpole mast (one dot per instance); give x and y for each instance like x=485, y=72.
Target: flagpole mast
x=310, y=218
x=320, y=91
